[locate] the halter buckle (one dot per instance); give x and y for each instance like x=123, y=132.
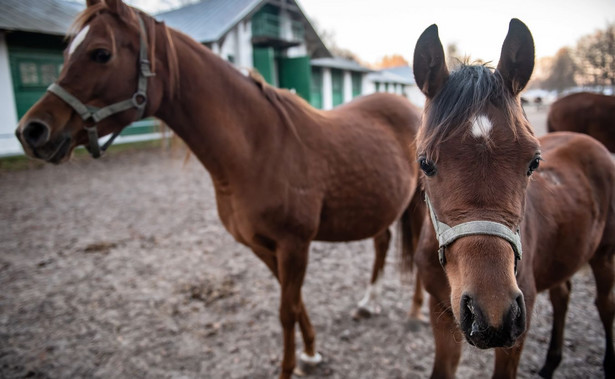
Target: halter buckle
x=139, y=99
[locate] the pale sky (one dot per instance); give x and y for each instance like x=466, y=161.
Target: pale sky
x=375, y=28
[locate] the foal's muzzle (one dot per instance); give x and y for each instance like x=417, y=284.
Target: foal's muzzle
x=478, y=330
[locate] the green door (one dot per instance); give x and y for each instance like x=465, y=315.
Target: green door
x=337, y=84
x=264, y=62
x=357, y=87
x=32, y=72
x=295, y=73
x=316, y=88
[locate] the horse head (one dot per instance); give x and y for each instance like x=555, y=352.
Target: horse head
x=477, y=151
x=105, y=84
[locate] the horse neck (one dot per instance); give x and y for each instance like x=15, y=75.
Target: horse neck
x=220, y=114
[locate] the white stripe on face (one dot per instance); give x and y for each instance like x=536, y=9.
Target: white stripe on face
x=78, y=39
x=481, y=126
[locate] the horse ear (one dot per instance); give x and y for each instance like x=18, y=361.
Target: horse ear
x=116, y=6
x=517, y=57
x=429, y=67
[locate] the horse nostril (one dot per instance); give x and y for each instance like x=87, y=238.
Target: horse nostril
x=471, y=318
x=518, y=313
x=36, y=133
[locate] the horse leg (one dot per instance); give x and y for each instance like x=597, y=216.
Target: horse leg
x=602, y=267
x=559, y=297
x=309, y=357
x=417, y=300
x=507, y=359
x=447, y=339
x=369, y=303
x=292, y=264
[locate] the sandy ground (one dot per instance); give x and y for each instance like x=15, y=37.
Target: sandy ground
x=120, y=268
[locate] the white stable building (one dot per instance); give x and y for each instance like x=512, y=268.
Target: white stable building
x=272, y=36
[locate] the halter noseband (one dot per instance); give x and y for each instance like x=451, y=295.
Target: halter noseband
x=447, y=234
x=138, y=100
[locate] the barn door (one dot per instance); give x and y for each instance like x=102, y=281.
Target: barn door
x=295, y=74
x=32, y=73
x=337, y=85
x=264, y=62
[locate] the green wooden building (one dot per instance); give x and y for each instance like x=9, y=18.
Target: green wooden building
x=272, y=36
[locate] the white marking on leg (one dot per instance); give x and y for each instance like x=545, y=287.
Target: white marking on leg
x=370, y=299
x=311, y=360
x=78, y=39
x=481, y=126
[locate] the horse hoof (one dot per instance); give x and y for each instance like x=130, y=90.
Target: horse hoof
x=545, y=373
x=363, y=312
x=414, y=325
x=307, y=364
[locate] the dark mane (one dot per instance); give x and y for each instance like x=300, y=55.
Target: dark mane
x=285, y=102
x=467, y=92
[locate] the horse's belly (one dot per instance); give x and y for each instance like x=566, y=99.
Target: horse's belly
x=357, y=217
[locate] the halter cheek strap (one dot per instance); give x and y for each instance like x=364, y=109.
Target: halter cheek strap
x=87, y=112
x=447, y=234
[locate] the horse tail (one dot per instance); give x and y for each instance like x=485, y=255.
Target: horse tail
x=410, y=225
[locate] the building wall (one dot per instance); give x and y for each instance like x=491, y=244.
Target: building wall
x=228, y=46
x=347, y=86
x=244, y=45
x=8, y=116
x=327, y=89
x=414, y=94
x=237, y=44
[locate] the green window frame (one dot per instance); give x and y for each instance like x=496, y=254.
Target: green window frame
x=34, y=73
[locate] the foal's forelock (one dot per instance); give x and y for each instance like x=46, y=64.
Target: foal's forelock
x=460, y=108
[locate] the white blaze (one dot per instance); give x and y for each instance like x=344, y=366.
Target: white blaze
x=481, y=126
x=78, y=39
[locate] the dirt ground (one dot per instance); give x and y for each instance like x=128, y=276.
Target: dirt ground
x=120, y=268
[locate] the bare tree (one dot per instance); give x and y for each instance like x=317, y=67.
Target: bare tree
x=394, y=60
x=562, y=73
x=596, y=57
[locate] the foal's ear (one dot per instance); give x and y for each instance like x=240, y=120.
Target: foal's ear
x=517, y=57
x=429, y=67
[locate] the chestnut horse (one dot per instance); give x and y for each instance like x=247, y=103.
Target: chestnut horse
x=585, y=112
x=505, y=229
x=284, y=173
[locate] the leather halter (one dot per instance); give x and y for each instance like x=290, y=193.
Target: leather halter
x=87, y=112
x=447, y=234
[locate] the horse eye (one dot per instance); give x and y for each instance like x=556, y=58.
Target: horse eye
x=101, y=55
x=533, y=165
x=428, y=167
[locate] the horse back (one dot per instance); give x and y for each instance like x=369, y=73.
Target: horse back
x=396, y=112
x=570, y=210
x=368, y=151
x=589, y=113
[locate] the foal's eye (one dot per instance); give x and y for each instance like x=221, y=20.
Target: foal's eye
x=428, y=167
x=533, y=165
x=101, y=55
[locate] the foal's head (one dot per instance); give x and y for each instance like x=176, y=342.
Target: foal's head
x=477, y=151
x=101, y=67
